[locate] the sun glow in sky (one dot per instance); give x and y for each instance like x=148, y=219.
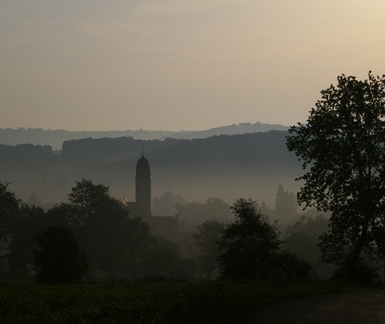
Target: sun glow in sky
x=179, y=64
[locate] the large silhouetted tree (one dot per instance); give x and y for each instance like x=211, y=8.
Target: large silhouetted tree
x=342, y=147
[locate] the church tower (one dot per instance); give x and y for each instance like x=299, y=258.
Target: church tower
x=143, y=188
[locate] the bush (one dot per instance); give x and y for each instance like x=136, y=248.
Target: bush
x=364, y=273
x=287, y=266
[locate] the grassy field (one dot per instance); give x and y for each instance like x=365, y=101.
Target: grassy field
x=146, y=302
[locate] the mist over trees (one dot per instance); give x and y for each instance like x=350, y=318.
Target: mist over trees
x=114, y=242
x=285, y=202
x=286, y=206
x=111, y=244
x=166, y=204
x=91, y=233
x=193, y=214
x=208, y=239
x=303, y=238
x=342, y=150
x=221, y=166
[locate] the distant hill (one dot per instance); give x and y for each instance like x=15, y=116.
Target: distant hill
x=234, y=129
x=261, y=149
x=55, y=138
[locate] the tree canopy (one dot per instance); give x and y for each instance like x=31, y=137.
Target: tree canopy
x=9, y=209
x=248, y=244
x=58, y=257
x=342, y=147
x=252, y=249
x=207, y=239
x=30, y=221
x=114, y=242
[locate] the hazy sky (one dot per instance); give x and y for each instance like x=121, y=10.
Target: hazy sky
x=179, y=64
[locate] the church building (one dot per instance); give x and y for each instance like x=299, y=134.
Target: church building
x=160, y=225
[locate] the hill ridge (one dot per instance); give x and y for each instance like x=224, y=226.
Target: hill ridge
x=56, y=138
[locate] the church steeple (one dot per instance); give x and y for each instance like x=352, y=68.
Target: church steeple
x=143, y=188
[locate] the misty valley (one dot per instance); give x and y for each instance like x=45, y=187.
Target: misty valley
x=191, y=184
x=204, y=224
x=167, y=162
x=167, y=242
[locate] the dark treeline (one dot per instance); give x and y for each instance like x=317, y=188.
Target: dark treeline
x=225, y=150
x=26, y=155
x=92, y=235
x=55, y=138
x=108, y=149
x=342, y=152
x=110, y=244
x=219, y=151
x=246, y=150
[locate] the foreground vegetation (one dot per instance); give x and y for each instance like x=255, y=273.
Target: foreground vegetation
x=147, y=302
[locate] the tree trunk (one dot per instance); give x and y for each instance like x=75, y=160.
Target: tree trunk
x=358, y=249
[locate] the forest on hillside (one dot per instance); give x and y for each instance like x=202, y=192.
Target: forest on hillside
x=226, y=166
x=56, y=138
